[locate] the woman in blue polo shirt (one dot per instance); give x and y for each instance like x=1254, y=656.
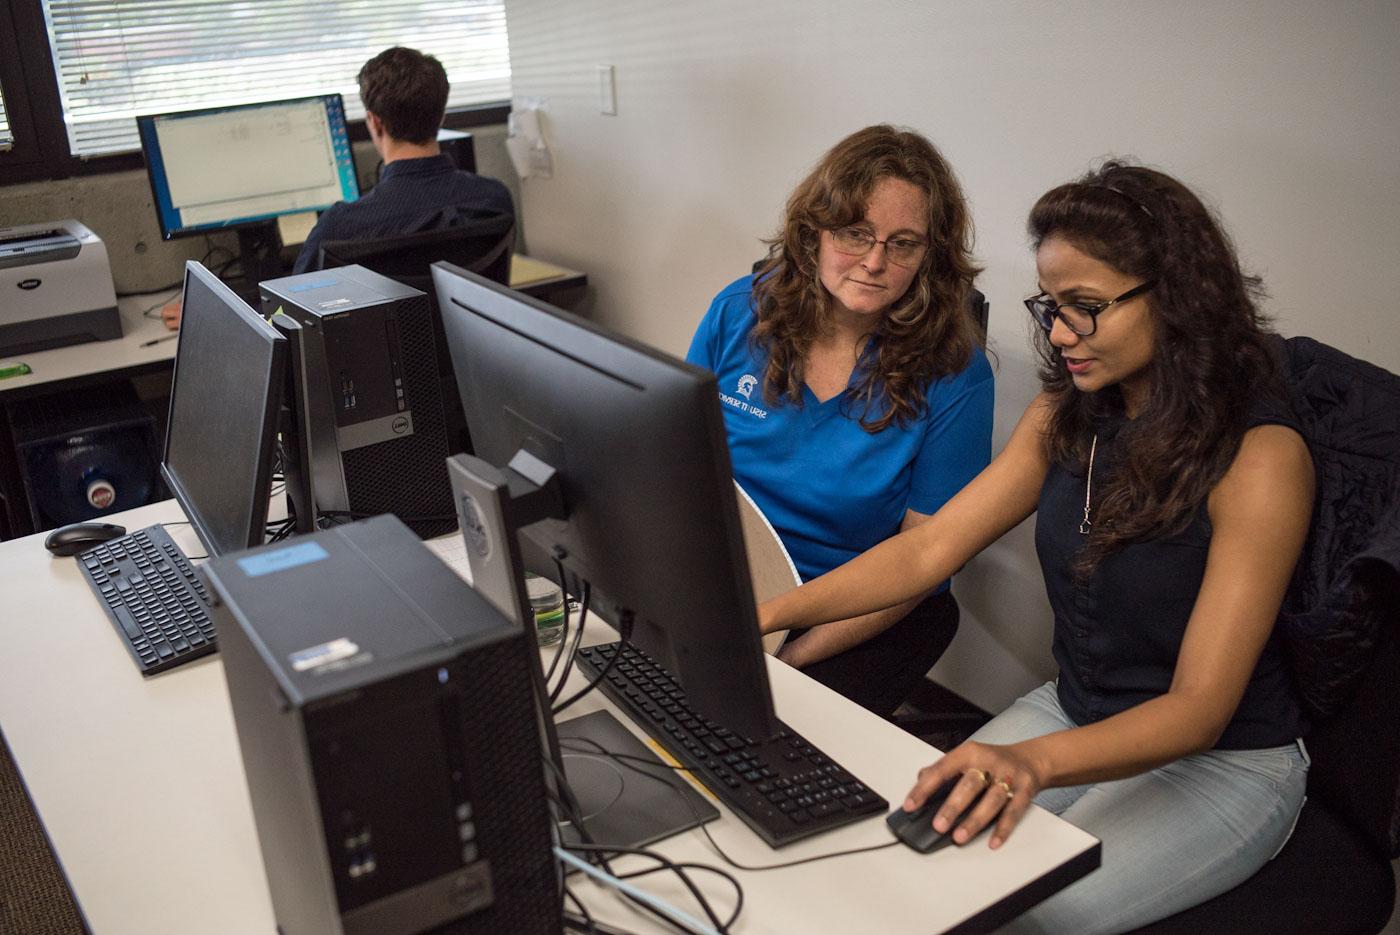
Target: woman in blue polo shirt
x=856, y=397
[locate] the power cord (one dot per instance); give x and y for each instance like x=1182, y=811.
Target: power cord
x=568, y=805
x=573, y=649
x=671, y=913
x=626, y=632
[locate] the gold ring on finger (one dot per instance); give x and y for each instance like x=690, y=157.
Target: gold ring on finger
x=982, y=775
x=1006, y=786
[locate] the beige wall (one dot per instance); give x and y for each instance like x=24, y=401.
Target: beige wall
x=1285, y=115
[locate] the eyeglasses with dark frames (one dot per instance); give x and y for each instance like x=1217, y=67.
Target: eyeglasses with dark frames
x=1078, y=317
x=901, y=251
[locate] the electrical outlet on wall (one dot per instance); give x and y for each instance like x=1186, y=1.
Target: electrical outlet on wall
x=607, y=90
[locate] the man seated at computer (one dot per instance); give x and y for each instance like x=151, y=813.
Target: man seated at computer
x=405, y=96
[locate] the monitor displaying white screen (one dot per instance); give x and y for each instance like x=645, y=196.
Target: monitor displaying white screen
x=236, y=166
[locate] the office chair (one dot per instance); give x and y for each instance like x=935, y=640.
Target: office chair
x=1341, y=625
x=479, y=244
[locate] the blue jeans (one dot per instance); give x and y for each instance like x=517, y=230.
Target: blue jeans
x=1172, y=838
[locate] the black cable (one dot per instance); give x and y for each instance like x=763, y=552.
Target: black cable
x=146, y=312
x=583, y=912
x=564, y=634
x=666, y=863
x=568, y=803
x=573, y=650
x=624, y=757
x=626, y=633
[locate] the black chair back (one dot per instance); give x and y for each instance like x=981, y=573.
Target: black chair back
x=482, y=245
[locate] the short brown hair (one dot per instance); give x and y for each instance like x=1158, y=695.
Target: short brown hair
x=407, y=91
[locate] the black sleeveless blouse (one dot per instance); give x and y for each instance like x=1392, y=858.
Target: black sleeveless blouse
x=1118, y=635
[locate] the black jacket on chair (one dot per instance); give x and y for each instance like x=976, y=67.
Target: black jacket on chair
x=1341, y=627
x=1350, y=414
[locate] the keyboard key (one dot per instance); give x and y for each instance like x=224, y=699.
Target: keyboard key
x=153, y=598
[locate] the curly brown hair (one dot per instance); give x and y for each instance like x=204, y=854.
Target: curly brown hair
x=926, y=334
x=1211, y=359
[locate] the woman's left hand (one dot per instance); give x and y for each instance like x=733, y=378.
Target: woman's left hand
x=1001, y=781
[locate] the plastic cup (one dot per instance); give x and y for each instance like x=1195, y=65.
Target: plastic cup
x=547, y=603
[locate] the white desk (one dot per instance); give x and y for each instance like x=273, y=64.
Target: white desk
x=107, y=359
x=141, y=789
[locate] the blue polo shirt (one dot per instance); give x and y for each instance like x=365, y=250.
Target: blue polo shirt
x=831, y=489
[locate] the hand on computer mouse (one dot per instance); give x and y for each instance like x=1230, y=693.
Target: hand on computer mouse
x=991, y=783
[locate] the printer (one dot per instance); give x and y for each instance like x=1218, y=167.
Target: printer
x=55, y=288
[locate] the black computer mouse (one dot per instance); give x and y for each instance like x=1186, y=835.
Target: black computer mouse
x=79, y=537
x=916, y=828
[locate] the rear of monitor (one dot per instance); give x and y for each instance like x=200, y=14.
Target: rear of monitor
x=633, y=441
x=225, y=402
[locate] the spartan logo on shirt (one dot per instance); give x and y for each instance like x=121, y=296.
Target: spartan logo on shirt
x=744, y=388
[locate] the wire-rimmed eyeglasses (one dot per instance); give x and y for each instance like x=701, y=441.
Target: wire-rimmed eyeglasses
x=901, y=251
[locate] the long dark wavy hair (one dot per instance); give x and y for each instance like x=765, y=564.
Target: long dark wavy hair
x=1210, y=359
x=926, y=334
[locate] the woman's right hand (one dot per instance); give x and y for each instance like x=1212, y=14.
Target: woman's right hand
x=997, y=783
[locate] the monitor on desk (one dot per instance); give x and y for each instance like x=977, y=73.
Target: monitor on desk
x=242, y=166
x=225, y=397
x=637, y=441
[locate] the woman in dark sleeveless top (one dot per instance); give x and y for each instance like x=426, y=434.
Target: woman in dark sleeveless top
x=1173, y=493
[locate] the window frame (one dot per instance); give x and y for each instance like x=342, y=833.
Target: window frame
x=40, y=151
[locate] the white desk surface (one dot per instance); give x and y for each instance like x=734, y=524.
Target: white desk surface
x=81, y=360
x=140, y=787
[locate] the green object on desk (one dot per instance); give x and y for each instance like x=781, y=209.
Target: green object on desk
x=14, y=368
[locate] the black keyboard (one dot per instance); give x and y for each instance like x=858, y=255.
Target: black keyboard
x=785, y=789
x=153, y=598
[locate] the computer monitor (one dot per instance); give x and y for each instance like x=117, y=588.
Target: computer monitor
x=637, y=440
x=230, y=369
x=232, y=167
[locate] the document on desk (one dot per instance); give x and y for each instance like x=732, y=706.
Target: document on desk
x=526, y=272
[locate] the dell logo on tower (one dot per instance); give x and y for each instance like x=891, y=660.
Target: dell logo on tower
x=29, y=283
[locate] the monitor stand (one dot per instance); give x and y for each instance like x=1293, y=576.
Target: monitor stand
x=620, y=805
x=260, y=255
x=623, y=801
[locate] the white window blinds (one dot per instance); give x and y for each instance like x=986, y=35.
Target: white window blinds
x=120, y=58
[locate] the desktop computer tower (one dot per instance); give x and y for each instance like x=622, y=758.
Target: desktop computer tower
x=369, y=431
x=389, y=736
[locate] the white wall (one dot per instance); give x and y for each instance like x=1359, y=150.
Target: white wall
x=1285, y=115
